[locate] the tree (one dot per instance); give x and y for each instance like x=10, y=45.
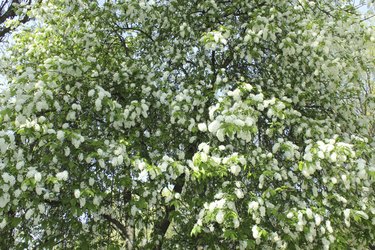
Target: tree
x=189, y=124
x=14, y=12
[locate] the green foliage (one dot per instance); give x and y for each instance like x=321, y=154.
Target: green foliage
x=189, y=124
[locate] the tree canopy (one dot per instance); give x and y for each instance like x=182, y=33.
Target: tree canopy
x=12, y=14
x=203, y=124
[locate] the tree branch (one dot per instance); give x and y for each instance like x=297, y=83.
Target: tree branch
x=122, y=229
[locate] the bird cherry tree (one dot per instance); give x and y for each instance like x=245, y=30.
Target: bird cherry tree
x=203, y=124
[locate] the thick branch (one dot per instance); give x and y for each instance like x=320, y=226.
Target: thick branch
x=117, y=224
x=10, y=13
x=162, y=227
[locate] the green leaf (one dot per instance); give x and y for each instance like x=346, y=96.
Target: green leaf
x=230, y=234
x=196, y=230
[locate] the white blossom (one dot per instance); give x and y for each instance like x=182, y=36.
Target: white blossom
x=38, y=177
x=235, y=169
x=256, y=233
x=214, y=126
x=239, y=193
x=202, y=127
x=60, y=135
x=318, y=219
x=226, y=121
x=77, y=193
x=220, y=217
x=3, y=223
x=62, y=175
x=253, y=205
x=29, y=213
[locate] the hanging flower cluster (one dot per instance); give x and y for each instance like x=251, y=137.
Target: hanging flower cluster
x=189, y=124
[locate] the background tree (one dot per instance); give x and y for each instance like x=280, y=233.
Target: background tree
x=14, y=12
x=184, y=124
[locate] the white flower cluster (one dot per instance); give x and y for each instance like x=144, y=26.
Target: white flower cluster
x=252, y=124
